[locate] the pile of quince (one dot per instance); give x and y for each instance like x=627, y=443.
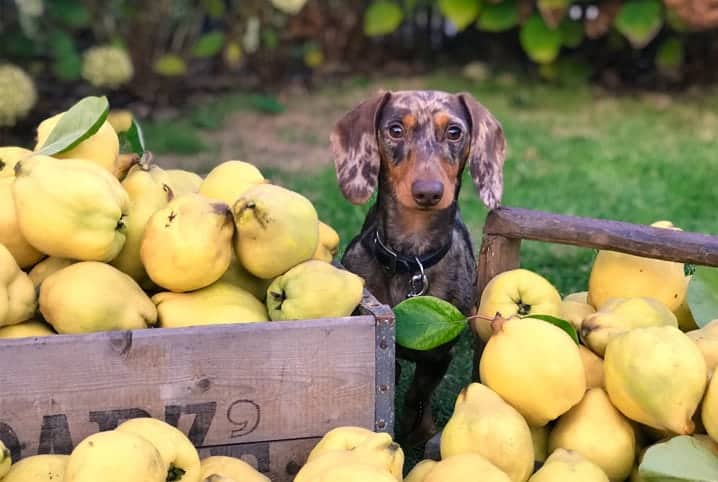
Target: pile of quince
x=95, y=239
x=583, y=392
x=141, y=449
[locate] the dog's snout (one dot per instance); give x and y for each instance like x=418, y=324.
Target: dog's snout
x=427, y=193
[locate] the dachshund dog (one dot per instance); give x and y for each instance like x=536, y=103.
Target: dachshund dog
x=415, y=145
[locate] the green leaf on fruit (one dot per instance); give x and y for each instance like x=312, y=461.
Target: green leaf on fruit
x=703, y=294
x=461, y=13
x=563, y=324
x=681, y=458
x=425, y=322
x=209, y=45
x=382, y=18
x=639, y=21
x=541, y=43
x=81, y=121
x=133, y=140
x=498, y=17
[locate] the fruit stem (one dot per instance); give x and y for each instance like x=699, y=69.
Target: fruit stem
x=221, y=209
x=174, y=473
x=169, y=191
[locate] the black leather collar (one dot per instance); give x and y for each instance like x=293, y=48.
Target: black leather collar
x=400, y=263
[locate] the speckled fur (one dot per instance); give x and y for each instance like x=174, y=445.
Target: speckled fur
x=367, y=157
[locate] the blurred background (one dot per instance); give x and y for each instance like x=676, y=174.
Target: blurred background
x=609, y=107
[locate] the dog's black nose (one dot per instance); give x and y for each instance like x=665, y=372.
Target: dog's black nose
x=427, y=193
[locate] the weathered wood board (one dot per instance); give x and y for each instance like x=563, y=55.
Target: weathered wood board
x=267, y=391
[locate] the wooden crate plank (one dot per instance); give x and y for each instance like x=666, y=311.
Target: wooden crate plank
x=636, y=239
x=219, y=384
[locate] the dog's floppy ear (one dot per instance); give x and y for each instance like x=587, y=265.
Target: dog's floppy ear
x=356, y=151
x=487, y=151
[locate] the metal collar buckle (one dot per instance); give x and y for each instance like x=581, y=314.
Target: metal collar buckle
x=419, y=282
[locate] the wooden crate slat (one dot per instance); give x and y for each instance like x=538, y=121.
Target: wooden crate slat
x=219, y=384
x=640, y=240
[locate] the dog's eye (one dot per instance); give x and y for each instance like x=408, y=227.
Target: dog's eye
x=396, y=130
x=454, y=132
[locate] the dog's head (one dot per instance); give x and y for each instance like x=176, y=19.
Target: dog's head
x=422, y=141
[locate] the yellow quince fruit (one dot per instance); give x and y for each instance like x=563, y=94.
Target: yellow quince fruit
x=101, y=148
x=619, y=315
x=621, y=275
x=229, y=467
x=348, y=438
x=89, y=296
x=10, y=235
x=277, y=229
x=314, y=289
x=115, y=456
x=483, y=423
x=597, y=430
x=656, y=376
x=26, y=329
x=46, y=267
x=38, y=468
x=593, y=366
x=328, y=244
x=238, y=276
x=176, y=450
x=468, y=466
x=183, y=181
x=229, y=180
x=568, y=466
x=218, y=303
x=534, y=366
x=147, y=187
x=187, y=245
x=9, y=156
x=70, y=208
x=18, y=301
x=706, y=338
x=515, y=292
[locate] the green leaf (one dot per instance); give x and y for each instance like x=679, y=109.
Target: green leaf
x=267, y=104
x=681, y=458
x=382, y=18
x=670, y=54
x=703, y=294
x=640, y=21
x=425, y=322
x=461, y=13
x=563, y=324
x=70, y=12
x=68, y=67
x=498, y=17
x=77, y=124
x=214, y=8
x=133, y=140
x=541, y=43
x=571, y=33
x=170, y=65
x=208, y=45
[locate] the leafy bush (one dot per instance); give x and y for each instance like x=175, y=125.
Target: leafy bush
x=159, y=52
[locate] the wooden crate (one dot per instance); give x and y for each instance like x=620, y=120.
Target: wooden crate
x=506, y=227
x=263, y=392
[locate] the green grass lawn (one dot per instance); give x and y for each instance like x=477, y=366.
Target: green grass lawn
x=571, y=151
